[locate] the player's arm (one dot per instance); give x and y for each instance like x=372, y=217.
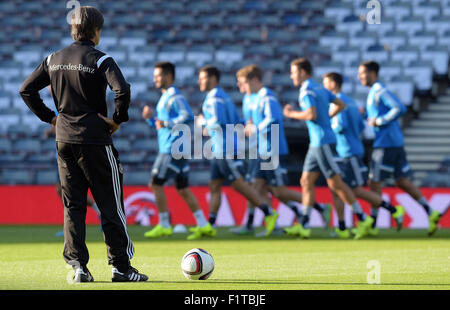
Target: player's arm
x=268, y=116
x=30, y=93
x=184, y=115
x=337, y=106
x=338, y=122
x=396, y=109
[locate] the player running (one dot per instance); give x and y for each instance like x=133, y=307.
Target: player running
x=314, y=102
x=218, y=112
x=171, y=109
x=348, y=126
x=388, y=156
x=261, y=110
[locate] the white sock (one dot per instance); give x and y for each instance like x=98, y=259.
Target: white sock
x=200, y=218
x=164, y=219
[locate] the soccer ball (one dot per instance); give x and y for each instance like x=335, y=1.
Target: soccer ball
x=197, y=264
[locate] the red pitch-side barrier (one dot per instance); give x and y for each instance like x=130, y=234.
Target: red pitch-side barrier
x=41, y=205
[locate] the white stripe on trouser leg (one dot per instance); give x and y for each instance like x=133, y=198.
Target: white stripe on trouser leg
x=117, y=192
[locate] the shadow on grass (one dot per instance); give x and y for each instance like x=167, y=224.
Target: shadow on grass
x=47, y=234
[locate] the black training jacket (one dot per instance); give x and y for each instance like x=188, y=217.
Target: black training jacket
x=78, y=75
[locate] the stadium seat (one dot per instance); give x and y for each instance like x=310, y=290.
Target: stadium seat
x=385, y=27
x=200, y=54
x=426, y=10
x=46, y=176
x=137, y=129
x=48, y=157
x=266, y=50
x=351, y=25
x=439, y=57
x=211, y=20
x=132, y=158
x=152, y=19
x=25, y=145
x=253, y=5
x=283, y=36
x=398, y=10
x=423, y=40
x=268, y=20
x=394, y=40
x=143, y=54
x=183, y=20
x=5, y=146
x=338, y=10
x=290, y=50
x=363, y=40
x=252, y=35
x=422, y=74
x=238, y=20
x=136, y=177
x=410, y=25
x=200, y=6
x=134, y=39
x=221, y=35
x=389, y=69
x=293, y=19
x=405, y=55
x=333, y=39
x=439, y=25
x=122, y=145
x=376, y=52
x=10, y=69
x=118, y=53
x=148, y=145
x=173, y=53
x=325, y=67
x=274, y=65
x=346, y=55
x=403, y=88
x=190, y=35
x=229, y=54
x=185, y=70
x=16, y=176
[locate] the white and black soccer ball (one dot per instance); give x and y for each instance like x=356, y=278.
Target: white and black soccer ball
x=197, y=264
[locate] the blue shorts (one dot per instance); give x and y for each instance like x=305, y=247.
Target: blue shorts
x=166, y=167
x=388, y=162
x=273, y=177
x=354, y=172
x=322, y=159
x=227, y=169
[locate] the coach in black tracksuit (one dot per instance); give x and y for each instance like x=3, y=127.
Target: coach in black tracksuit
x=79, y=75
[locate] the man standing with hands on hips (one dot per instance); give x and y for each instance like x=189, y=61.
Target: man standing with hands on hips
x=78, y=76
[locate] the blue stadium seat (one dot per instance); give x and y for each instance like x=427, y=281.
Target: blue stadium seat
x=200, y=54
x=363, y=40
x=351, y=25
x=403, y=88
x=394, y=40
x=122, y=145
x=325, y=67
x=284, y=6
x=375, y=52
x=439, y=57
x=423, y=40
x=240, y=20
x=5, y=146
x=48, y=157
x=136, y=129
x=338, y=10
x=385, y=27
x=293, y=19
x=193, y=35
x=427, y=10
x=26, y=145
x=143, y=54
x=439, y=25
x=389, y=69
x=274, y=65
x=171, y=6
x=47, y=177
x=143, y=6
x=398, y=10
x=229, y=53
x=119, y=53
x=334, y=40
x=10, y=69
x=210, y=20
x=254, y=5
x=185, y=71
x=268, y=20
x=136, y=177
x=148, y=145
x=132, y=158
x=266, y=50
x=163, y=35
x=346, y=54
x=283, y=36
x=16, y=176
x=221, y=35
x=405, y=55
x=290, y=50
x=152, y=19
x=410, y=25
x=200, y=6
x=182, y=19
x=173, y=53
x=133, y=39
x=422, y=74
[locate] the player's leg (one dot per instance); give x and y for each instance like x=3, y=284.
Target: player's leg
x=74, y=188
x=341, y=231
x=158, y=178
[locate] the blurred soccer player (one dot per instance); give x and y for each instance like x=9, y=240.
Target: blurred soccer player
x=348, y=126
x=314, y=102
x=78, y=75
x=171, y=110
x=261, y=112
x=388, y=156
x=218, y=112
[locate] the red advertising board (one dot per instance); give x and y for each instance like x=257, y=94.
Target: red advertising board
x=41, y=205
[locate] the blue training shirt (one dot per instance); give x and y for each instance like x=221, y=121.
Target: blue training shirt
x=219, y=110
x=173, y=109
x=348, y=126
x=313, y=94
x=265, y=112
x=384, y=106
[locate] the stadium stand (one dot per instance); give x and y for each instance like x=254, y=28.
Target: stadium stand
x=411, y=43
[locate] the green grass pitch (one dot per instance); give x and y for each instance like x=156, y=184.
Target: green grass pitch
x=31, y=259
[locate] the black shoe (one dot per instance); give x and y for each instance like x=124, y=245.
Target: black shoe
x=131, y=275
x=82, y=274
